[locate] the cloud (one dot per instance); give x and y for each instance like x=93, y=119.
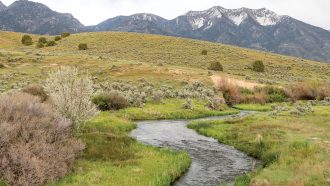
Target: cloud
x=89, y=12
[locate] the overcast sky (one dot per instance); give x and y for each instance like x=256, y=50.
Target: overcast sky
x=90, y=12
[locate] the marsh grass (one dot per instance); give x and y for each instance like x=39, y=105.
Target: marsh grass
x=254, y=107
x=172, y=109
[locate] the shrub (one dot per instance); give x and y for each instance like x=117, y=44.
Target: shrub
x=157, y=96
x=101, y=101
x=216, y=66
x=275, y=94
x=65, y=34
x=204, y=52
x=51, y=43
x=258, y=66
x=36, y=90
x=216, y=104
x=2, y=65
x=57, y=38
x=71, y=95
x=188, y=104
x=40, y=45
x=302, y=109
x=27, y=40
x=42, y=40
x=309, y=90
x=111, y=101
x=82, y=46
x=231, y=92
x=36, y=147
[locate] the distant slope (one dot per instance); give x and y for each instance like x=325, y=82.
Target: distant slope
x=31, y=17
x=259, y=29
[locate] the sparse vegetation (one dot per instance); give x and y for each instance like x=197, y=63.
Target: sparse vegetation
x=204, y=52
x=27, y=40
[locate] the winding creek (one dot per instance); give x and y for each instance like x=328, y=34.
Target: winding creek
x=212, y=163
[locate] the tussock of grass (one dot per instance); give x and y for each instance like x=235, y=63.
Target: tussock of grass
x=293, y=150
x=171, y=109
x=113, y=158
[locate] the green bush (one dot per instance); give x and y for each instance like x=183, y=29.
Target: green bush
x=258, y=66
x=275, y=94
x=216, y=66
x=2, y=65
x=42, y=40
x=204, y=52
x=65, y=34
x=51, y=43
x=82, y=46
x=27, y=40
x=40, y=45
x=111, y=101
x=57, y=38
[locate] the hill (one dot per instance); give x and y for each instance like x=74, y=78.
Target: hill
x=160, y=59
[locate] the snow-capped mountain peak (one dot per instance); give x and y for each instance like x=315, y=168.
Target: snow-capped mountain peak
x=266, y=17
x=206, y=18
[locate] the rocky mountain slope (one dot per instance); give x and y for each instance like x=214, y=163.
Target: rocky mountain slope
x=31, y=17
x=2, y=6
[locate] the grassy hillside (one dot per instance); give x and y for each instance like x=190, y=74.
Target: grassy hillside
x=130, y=56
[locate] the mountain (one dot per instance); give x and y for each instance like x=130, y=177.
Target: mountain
x=2, y=6
x=30, y=17
x=143, y=23
x=259, y=29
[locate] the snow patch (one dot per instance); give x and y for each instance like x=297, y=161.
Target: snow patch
x=209, y=25
x=238, y=19
x=197, y=23
x=266, y=17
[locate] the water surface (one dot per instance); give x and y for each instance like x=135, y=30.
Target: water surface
x=212, y=163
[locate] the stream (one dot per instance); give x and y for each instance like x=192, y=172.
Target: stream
x=212, y=162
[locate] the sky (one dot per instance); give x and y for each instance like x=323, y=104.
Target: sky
x=91, y=12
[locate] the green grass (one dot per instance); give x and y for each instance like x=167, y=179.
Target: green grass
x=113, y=158
x=171, y=109
x=293, y=150
x=254, y=107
